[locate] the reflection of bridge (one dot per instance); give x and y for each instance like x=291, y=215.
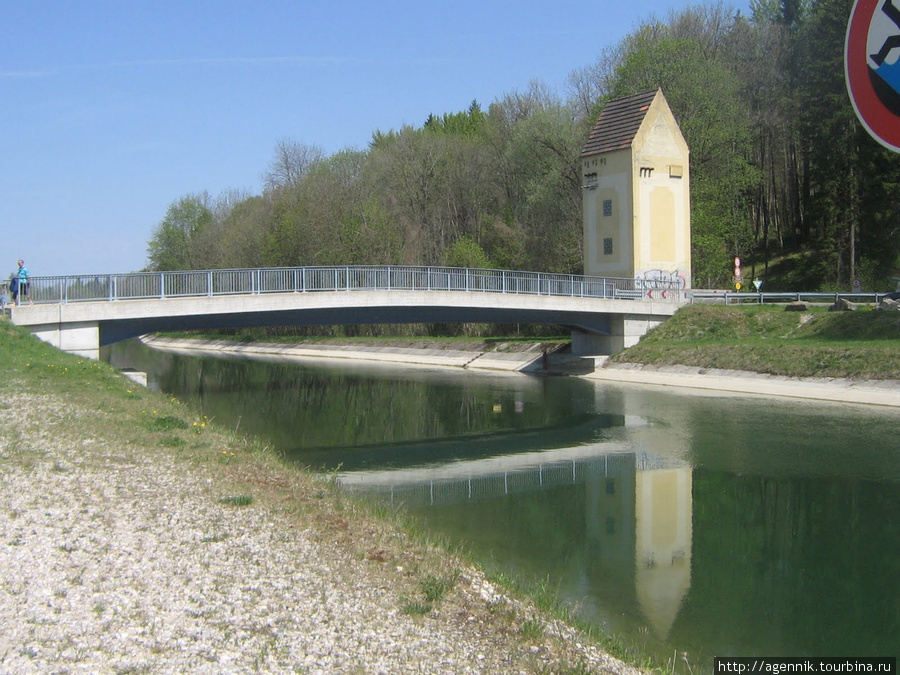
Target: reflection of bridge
x=81, y=313
x=638, y=509
x=458, y=481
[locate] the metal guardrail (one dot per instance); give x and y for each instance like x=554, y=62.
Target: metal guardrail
x=150, y=285
x=734, y=297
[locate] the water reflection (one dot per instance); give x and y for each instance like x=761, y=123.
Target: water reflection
x=640, y=517
x=714, y=526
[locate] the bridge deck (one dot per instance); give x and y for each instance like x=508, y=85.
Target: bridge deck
x=118, y=307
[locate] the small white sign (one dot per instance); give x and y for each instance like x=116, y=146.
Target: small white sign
x=757, y=283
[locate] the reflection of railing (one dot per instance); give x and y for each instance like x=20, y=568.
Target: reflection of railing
x=149, y=285
x=484, y=485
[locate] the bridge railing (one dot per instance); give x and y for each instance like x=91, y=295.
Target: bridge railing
x=194, y=283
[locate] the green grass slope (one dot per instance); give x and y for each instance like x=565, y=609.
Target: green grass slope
x=861, y=345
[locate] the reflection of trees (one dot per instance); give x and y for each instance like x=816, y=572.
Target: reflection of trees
x=769, y=574
x=299, y=407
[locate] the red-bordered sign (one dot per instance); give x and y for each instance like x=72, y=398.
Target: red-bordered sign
x=872, y=68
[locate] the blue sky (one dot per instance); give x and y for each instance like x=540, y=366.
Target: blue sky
x=110, y=111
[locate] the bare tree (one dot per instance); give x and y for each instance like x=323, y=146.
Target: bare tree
x=291, y=162
x=589, y=85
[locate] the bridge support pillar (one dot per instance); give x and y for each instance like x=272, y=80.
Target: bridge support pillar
x=82, y=339
x=625, y=331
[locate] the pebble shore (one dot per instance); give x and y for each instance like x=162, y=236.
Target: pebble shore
x=116, y=559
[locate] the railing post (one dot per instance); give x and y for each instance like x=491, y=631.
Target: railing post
x=209, y=284
x=347, y=280
x=162, y=285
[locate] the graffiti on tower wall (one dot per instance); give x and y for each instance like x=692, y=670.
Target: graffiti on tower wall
x=653, y=279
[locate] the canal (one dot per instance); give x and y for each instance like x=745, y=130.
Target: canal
x=696, y=524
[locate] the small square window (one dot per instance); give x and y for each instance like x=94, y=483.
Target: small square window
x=607, y=208
x=607, y=246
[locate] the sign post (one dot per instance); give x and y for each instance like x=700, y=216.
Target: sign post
x=872, y=68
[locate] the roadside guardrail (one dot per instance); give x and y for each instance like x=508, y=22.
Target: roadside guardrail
x=735, y=297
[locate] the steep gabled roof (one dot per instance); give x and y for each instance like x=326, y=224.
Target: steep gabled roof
x=618, y=123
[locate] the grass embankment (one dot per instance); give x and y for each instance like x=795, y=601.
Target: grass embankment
x=87, y=410
x=859, y=345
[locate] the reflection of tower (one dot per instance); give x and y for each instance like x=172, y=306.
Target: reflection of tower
x=610, y=514
x=663, y=507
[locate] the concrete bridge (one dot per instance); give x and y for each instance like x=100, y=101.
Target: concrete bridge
x=79, y=314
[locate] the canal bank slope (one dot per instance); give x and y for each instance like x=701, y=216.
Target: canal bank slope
x=530, y=358
x=136, y=537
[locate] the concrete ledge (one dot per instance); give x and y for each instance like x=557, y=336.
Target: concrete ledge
x=517, y=361
x=742, y=383
x=447, y=358
x=421, y=357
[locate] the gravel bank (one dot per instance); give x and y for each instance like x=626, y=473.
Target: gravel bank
x=121, y=558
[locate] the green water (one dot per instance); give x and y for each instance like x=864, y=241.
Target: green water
x=707, y=525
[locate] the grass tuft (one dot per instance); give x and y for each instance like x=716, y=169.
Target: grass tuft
x=239, y=500
x=167, y=423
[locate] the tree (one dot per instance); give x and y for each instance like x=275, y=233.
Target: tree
x=291, y=162
x=465, y=252
x=174, y=242
x=853, y=198
x=687, y=60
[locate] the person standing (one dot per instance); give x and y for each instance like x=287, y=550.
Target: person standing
x=22, y=276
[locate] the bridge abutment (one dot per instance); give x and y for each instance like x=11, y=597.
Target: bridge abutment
x=625, y=330
x=82, y=339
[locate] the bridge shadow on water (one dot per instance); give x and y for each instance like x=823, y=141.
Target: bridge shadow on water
x=573, y=431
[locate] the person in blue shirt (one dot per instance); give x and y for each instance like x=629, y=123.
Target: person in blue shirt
x=22, y=276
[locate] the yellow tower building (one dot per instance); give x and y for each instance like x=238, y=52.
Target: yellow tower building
x=636, y=194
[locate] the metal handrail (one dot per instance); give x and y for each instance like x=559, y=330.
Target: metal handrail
x=198, y=283
x=729, y=297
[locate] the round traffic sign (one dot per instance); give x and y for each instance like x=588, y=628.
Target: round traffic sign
x=871, y=68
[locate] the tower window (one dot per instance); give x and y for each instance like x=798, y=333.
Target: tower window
x=646, y=172
x=607, y=208
x=607, y=246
